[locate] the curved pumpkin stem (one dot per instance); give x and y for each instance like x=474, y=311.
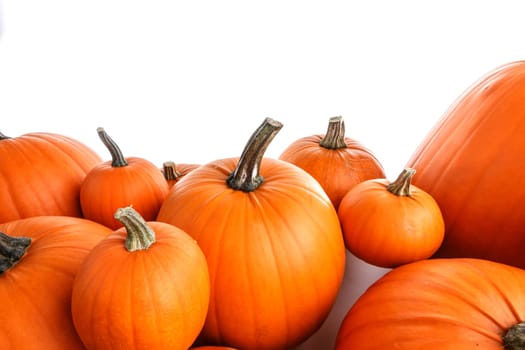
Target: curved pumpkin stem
x=514, y=339
x=11, y=250
x=140, y=235
x=335, y=135
x=3, y=137
x=246, y=176
x=401, y=187
x=117, y=157
x=169, y=169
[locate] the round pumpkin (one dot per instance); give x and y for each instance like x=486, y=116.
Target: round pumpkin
x=388, y=224
x=41, y=173
x=174, y=172
x=39, y=258
x=337, y=162
x=145, y=286
x=439, y=304
x=471, y=163
x=120, y=182
x=273, y=244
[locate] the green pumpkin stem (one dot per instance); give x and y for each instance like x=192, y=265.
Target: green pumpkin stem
x=169, y=169
x=335, y=135
x=11, y=250
x=246, y=176
x=140, y=235
x=401, y=187
x=117, y=157
x=514, y=338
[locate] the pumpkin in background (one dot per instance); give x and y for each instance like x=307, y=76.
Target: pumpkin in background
x=388, y=224
x=41, y=173
x=146, y=286
x=337, y=162
x=174, y=172
x=273, y=243
x=212, y=348
x=472, y=164
x=39, y=258
x=439, y=304
x=121, y=182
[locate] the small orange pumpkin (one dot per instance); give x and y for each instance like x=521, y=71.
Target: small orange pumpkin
x=174, y=172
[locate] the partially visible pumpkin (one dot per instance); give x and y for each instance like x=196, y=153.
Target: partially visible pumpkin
x=121, y=182
x=337, y=162
x=388, y=224
x=41, y=173
x=439, y=304
x=174, y=172
x=39, y=259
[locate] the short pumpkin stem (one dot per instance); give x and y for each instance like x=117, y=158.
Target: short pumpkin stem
x=335, y=135
x=3, y=137
x=246, y=176
x=169, y=169
x=11, y=250
x=514, y=339
x=117, y=157
x=140, y=235
x=401, y=187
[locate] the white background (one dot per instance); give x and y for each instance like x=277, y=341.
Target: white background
x=189, y=81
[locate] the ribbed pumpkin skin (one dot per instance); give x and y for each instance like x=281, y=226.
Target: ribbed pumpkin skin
x=276, y=255
x=36, y=292
x=337, y=170
x=437, y=304
x=149, y=299
x=472, y=163
x=41, y=173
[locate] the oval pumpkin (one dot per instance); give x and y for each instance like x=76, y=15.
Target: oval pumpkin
x=439, y=304
x=471, y=163
x=273, y=244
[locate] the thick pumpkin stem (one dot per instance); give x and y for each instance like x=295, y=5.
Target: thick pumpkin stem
x=169, y=169
x=117, y=157
x=140, y=235
x=514, y=339
x=335, y=135
x=401, y=187
x=246, y=176
x=3, y=137
x=11, y=250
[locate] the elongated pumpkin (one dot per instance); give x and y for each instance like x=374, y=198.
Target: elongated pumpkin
x=273, y=244
x=471, y=163
x=39, y=259
x=439, y=304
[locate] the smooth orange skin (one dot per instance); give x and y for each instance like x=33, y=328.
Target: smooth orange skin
x=337, y=170
x=471, y=162
x=276, y=255
x=149, y=299
x=140, y=184
x=388, y=230
x=41, y=173
x=437, y=304
x=36, y=292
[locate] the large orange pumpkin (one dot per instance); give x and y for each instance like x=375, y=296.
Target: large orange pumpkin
x=146, y=286
x=472, y=163
x=273, y=244
x=440, y=304
x=41, y=173
x=39, y=258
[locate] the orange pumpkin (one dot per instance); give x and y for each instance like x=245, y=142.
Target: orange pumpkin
x=388, y=224
x=273, y=244
x=471, y=162
x=41, y=173
x=336, y=161
x=439, y=304
x=174, y=172
x=119, y=183
x=39, y=258
x=146, y=286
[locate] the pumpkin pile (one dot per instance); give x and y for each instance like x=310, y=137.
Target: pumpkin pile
x=249, y=252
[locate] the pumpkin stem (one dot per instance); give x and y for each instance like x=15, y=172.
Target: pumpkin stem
x=11, y=250
x=117, y=157
x=140, y=235
x=246, y=176
x=169, y=169
x=3, y=137
x=335, y=135
x=514, y=339
x=401, y=187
